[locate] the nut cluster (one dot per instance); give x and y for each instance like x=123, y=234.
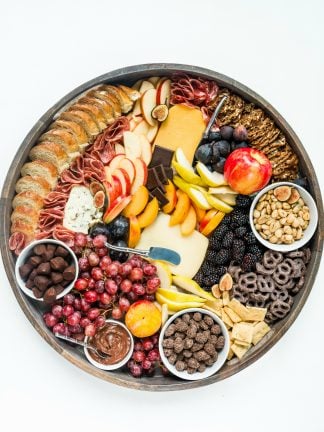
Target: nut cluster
x=281, y=215
x=192, y=342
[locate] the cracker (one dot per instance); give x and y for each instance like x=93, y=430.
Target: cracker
x=230, y=354
x=233, y=315
x=226, y=319
x=256, y=313
x=238, y=308
x=243, y=332
x=259, y=330
x=239, y=350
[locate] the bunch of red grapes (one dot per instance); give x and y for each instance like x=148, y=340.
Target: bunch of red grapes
x=146, y=357
x=104, y=286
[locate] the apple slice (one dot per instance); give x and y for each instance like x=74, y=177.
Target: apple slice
x=140, y=174
x=222, y=190
x=124, y=179
x=119, y=149
x=114, y=189
x=108, y=174
x=137, y=110
x=208, y=216
x=148, y=102
x=115, y=161
x=154, y=80
x=137, y=85
x=146, y=154
x=146, y=85
x=116, y=207
x=163, y=92
x=228, y=198
x=152, y=132
x=132, y=124
x=142, y=128
x=128, y=166
x=132, y=145
x=188, y=175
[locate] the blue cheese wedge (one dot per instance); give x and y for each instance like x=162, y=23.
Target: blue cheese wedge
x=80, y=211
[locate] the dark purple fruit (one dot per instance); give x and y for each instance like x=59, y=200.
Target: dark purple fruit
x=224, y=148
x=215, y=151
x=209, y=167
x=119, y=228
x=117, y=255
x=98, y=229
x=214, y=136
x=204, y=153
x=219, y=166
x=236, y=145
x=240, y=133
x=226, y=132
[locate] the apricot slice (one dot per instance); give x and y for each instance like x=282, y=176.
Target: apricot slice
x=138, y=202
x=213, y=223
x=149, y=214
x=200, y=213
x=189, y=223
x=134, y=231
x=181, y=209
x=171, y=196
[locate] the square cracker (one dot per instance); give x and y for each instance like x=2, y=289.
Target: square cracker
x=256, y=313
x=227, y=320
x=239, y=350
x=233, y=315
x=238, y=308
x=243, y=332
x=259, y=330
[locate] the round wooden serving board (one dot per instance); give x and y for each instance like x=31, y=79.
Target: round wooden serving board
x=32, y=309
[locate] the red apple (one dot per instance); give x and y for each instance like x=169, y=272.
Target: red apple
x=247, y=170
x=129, y=167
x=115, y=161
x=140, y=174
x=163, y=92
x=124, y=179
x=116, y=207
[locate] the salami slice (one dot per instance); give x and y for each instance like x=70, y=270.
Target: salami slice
x=64, y=234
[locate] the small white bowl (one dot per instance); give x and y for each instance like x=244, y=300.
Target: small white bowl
x=25, y=253
x=307, y=234
x=210, y=370
x=116, y=365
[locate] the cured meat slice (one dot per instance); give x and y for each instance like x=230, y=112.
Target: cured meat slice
x=192, y=91
x=64, y=234
x=48, y=218
x=17, y=242
x=55, y=199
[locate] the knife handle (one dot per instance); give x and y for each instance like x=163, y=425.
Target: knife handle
x=141, y=252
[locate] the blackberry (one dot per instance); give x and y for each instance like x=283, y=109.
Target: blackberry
x=256, y=251
x=218, y=234
x=243, y=201
x=206, y=268
x=240, y=232
x=228, y=239
x=248, y=262
x=222, y=257
x=250, y=238
x=211, y=256
x=199, y=277
x=215, y=244
x=209, y=280
x=239, y=218
x=238, y=250
x=225, y=222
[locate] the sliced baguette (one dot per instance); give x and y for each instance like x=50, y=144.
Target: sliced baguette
x=28, y=198
x=105, y=109
x=125, y=102
x=33, y=184
x=133, y=94
x=108, y=98
x=65, y=139
x=25, y=214
x=42, y=169
x=73, y=127
x=25, y=228
x=94, y=111
x=50, y=152
x=87, y=121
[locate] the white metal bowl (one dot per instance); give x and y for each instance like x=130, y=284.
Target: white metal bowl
x=222, y=355
x=307, y=234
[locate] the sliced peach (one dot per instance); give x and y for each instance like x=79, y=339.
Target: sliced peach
x=181, y=209
x=134, y=232
x=213, y=223
x=200, y=213
x=138, y=202
x=208, y=216
x=189, y=224
x=171, y=196
x=149, y=214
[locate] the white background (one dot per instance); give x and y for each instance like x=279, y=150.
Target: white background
x=49, y=48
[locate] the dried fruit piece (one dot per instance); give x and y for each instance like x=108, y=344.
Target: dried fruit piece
x=160, y=112
x=294, y=197
x=216, y=291
x=226, y=282
x=99, y=199
x=282, y=193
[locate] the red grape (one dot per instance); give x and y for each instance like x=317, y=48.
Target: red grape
x=105, y=298
x=136, y=274
x=99, y=241
x=149, y=297
x=138, y=346
x=50, y=320
x=91, y=284
x=116, y=313
x=93, y=313
x=85, y=305
x=132, y=297
x=74, y=319
x=104, y=262
x=147, y=344
x=126, y=286
x=112, y=269
x=135, y=261
x=84, y=321
x=77, y=304
x=136, y=370
x=75, y=328
x=57, y=311
x=79, y=336
x=111, y=286
x=138, y=356
x=125, y=269
x=83, y=263
x=138, y=289
x=124, y=304
x=155, y=339
x=85, y=275
x=59, y=328
x=100, y=321
x=80, y=240
x=68, y=299
x=152, y=285
x=150, y=372
x=146, y=364
x=81, y=284
x=149, y=269
x=91, y=296
x=90, y=330
x=153, y=355
x=102, y=251
x=118, y=279
x=97, y=273
x=68, y=310
x=93, y=259
x=100, y=286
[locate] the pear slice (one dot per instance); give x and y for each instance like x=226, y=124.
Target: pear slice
x=164, y=274
x=210, y=178
x=164, y=313
x=186, y=174
x=218, y=204
x=176, y=306
x=180, y=297
x=191, y=286
x=222, y=190
x=196, y=195
x=228, y=198
x=182, y=160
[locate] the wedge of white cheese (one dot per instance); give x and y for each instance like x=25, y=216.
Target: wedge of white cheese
x=192, y=248
x=80, y=210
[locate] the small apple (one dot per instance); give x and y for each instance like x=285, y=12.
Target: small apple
x=143, y=318
x=140, y=174
x=128, y=166
x=116, y=207
x=114, y=163
x=247, y=170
